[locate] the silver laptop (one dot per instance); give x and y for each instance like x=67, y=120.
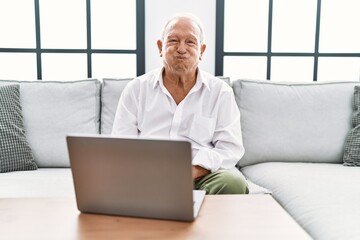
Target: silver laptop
x=133, y=177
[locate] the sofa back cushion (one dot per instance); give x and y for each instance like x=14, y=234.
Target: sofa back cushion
x=110, y=95
x=53, y=109
x=289, y=122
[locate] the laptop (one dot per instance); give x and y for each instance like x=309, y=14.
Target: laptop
x=149, y=178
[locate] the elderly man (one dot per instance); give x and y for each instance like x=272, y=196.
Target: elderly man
x=180, y=101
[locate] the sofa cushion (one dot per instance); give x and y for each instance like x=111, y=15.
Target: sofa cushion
x=225, y=79
x=323, y=198
x=53, y=109
x=352, y=143
x=15, y=152
x=44, y=182
x=291, y=122
x=110, y=95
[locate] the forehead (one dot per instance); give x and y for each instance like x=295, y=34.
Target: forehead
x=182, y=27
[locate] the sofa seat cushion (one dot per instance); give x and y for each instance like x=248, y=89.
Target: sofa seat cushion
x=44, y=182
x=323, y=198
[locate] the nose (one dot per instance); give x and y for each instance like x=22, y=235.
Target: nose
x=181, y=48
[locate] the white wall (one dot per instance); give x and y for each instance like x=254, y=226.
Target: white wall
x=157, y=12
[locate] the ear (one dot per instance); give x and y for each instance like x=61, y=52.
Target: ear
x=202, y=50
x=159, y=45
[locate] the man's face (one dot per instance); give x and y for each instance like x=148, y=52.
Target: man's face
x=181, y=49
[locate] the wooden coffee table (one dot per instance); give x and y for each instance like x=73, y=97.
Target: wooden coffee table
x=221, y=217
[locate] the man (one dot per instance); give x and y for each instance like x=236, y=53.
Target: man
x=180, y=101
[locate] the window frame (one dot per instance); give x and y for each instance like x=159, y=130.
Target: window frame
x=220, y=53
x=139, y=51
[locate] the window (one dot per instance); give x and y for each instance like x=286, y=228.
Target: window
x=288, y=40
x=71, y=39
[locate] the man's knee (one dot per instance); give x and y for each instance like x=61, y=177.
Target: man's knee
x=233, y=183
x=224, y=182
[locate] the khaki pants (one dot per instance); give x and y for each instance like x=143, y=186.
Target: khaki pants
x=223, y=182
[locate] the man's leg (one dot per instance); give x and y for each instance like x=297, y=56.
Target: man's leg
x=223, y=182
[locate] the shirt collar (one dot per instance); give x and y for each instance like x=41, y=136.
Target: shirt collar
x=158, y=77
x=200, y=79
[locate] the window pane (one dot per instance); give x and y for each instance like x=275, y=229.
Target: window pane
x=292, y=32
x=245, y=67
x=294, y=69
x=246, y=25
x=18, y=66
x=64, y=66
x=113, y=24
x=114, y=65
x=63, y=23
x=17, y=24
x=339, y=29
x=339, y=69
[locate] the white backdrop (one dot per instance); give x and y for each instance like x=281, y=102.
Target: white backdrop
x=155, y=17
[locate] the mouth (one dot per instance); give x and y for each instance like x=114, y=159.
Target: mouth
x=181, y=57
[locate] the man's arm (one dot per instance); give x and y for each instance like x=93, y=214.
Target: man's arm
x=125, y=121
x=199, y=172
x=227, y=139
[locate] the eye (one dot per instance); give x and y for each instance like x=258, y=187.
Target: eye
x=172, y=40
x=191, y=42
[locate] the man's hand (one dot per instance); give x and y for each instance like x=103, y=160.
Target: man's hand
x=198, y=172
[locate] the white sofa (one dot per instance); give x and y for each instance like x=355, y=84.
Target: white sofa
x=293, y=134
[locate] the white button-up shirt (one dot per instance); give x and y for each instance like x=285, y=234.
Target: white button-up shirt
x=208, y=117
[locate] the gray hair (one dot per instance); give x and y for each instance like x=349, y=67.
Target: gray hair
x=187, y=16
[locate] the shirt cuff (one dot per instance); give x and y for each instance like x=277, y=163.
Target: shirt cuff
x=207, y=159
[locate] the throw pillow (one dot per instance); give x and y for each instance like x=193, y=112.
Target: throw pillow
x=352, y=143
x=15, y=152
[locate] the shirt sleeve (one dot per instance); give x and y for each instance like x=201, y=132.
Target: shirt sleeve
x=227, y=139
x=125, y=121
